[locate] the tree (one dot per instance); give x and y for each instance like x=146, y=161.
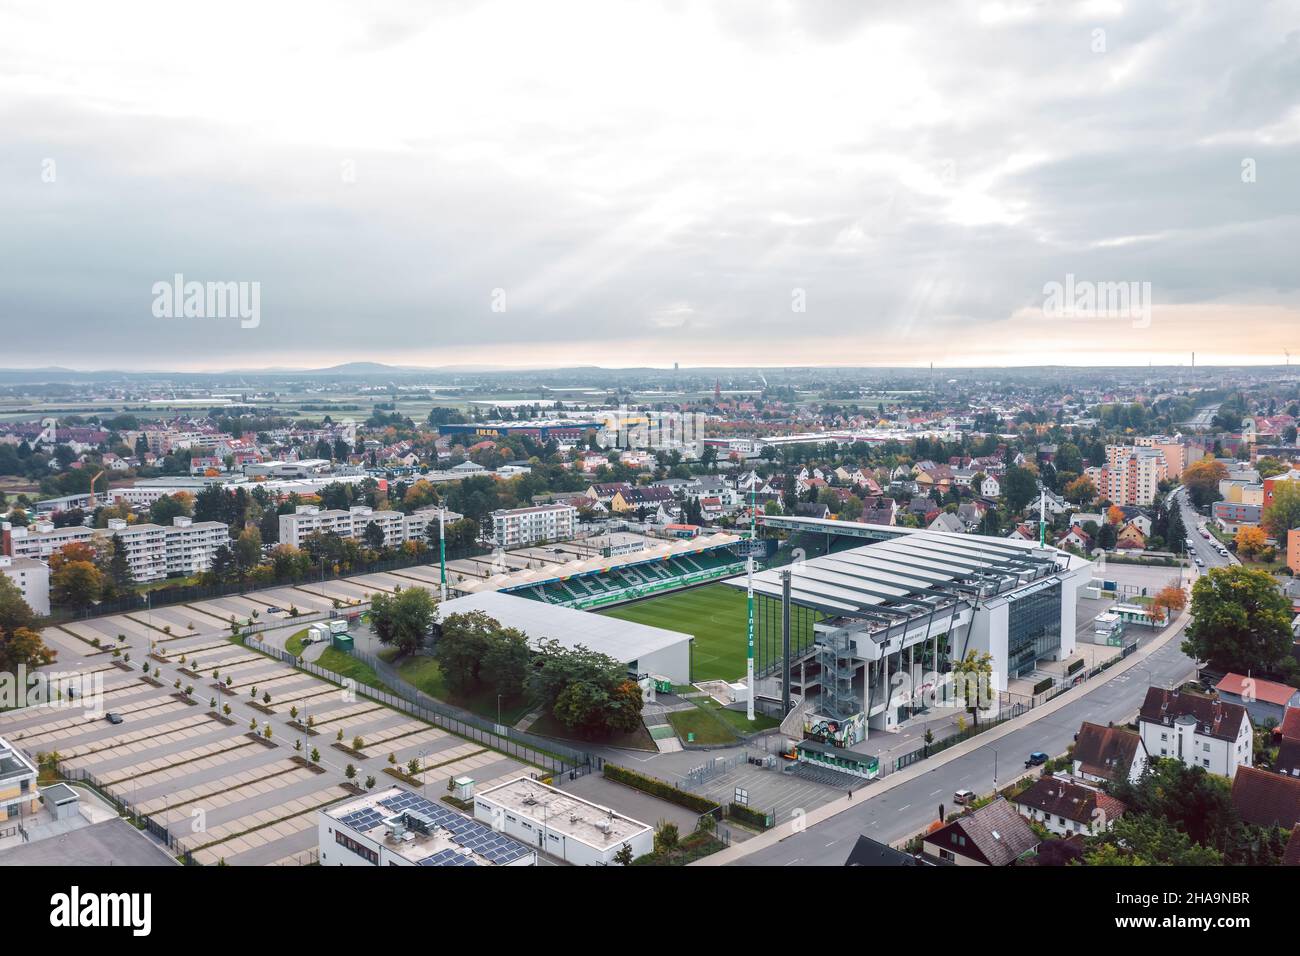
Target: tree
x=1136, y=840
x=1250, y=541
x=248, y=550
x=462, y=646
x=1167, y=601
x=14, y=611
x=624, y=855
x=1240, y=621
x=404, y=618
x=119, y=568
x=1283, y=512
x=76, y=585
x=1202, y=480
x=505, y=661
x=1019, y=487
x=1081, y=490
x=974, y=675
x=373, y=536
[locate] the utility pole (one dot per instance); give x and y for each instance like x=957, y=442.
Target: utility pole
x=1042, y=517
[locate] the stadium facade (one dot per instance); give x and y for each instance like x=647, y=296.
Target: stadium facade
x=875, y=629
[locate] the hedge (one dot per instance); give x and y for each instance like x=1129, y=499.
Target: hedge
x=1074, y=666
x=1043, y=685
x=748, y=815
x=657, y=788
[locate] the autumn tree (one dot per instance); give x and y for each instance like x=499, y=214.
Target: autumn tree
x=1250, y=541
x=76, y=585
x=1283, y=512
x=1168, y=601
x=1202, y=480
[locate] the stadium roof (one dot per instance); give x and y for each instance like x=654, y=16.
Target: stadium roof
x=910, y=574
x=624, y=641
x=598, y=564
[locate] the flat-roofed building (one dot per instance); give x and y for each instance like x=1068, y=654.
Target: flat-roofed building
x=32, y=578
x=395, y=827
x=519, y=527
x=18, y=793
x=560, y=824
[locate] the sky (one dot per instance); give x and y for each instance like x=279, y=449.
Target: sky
x=708, y=182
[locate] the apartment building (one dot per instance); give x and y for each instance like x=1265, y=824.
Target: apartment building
x=152, y=551
x=1133, y=474
x=40, y=540
x=1197, y=731
x=32, y=578
x=18, y=793
x=519, y=527
x=189, y=544
x=1173, y=449
x=398, y=528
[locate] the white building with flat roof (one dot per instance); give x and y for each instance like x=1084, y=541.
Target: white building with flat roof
x=32, y=578
x=518, y=527
x=397, y=527
x=560, y=824
x=644, y=649
x=395, y=827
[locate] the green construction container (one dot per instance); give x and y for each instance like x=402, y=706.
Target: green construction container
x=342, y=641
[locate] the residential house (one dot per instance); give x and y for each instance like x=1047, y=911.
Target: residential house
x=946, y=521
x=1108, y=754
x=879, y=510
x=1130, y=538
x=1196, y=730
x=990, y=487
x=1068, y=807
x=1264, y=700
x=994, y=835
x=1266, y=799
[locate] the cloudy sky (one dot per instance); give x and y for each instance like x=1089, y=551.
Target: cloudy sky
x=726, y=182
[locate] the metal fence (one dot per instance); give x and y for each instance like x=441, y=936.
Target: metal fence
x=147, y=823
x=560, y=760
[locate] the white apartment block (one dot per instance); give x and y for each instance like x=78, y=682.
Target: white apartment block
x=152, y=551
x=1197, y=731
x=519, y=527
x=1133, y=474
x=190, y=544
x=398, y=528
x=40, y=540
x=32, y=578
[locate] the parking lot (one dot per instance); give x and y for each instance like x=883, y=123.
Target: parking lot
x=224, y=793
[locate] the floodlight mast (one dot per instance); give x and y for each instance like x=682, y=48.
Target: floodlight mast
x=749, y=571
x=442, y=552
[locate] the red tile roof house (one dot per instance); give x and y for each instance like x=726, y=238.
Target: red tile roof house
x=1264, y=700
x=993, y=835
x=1067, y=807
x=1266, y=799
x=1288, y=751
x=1108, y=754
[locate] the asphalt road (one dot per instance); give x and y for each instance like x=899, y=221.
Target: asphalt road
x=910, y=807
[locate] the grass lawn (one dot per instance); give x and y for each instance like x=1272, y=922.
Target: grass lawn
x=294, y=644
x=345, y=665
x=714, y=724
x=715, y=615
x=424, y=673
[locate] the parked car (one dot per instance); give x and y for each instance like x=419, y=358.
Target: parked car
x=963, y=797
x=1200, y=562
x=1036, y=759
x=113, y=718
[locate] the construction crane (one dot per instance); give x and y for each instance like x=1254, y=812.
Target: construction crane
x=92, y=487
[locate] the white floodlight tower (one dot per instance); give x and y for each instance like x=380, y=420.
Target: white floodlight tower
x=749, y=572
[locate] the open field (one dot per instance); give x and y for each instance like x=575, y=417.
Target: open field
x=714, y=614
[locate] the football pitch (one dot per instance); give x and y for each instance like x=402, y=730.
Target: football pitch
x=715, y=615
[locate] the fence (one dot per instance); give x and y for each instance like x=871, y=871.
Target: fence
x=151, y=826
x=1004, y=714
x=555, y=757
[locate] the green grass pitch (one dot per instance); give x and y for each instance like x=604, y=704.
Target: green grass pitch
x=715, y=615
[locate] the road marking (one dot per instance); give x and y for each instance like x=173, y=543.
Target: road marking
x=901, y=809
x=940, y=790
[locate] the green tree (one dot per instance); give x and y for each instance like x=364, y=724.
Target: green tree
x=76, y=585
x=403, y=618
x=1240, y=621
x=1283, y=512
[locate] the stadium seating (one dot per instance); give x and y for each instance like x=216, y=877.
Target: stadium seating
x=633, y=575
